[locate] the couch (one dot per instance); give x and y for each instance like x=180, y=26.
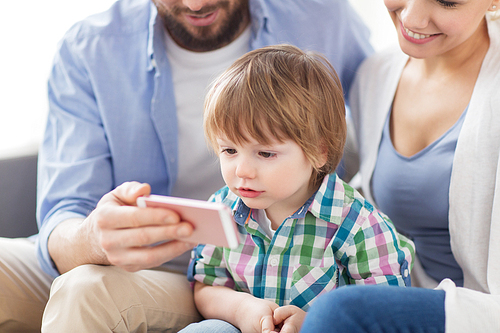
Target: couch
x=18, y=196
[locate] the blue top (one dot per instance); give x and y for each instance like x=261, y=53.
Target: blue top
x=414, y=193
x=112, y=115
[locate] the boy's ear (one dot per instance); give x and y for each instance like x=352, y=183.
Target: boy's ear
x=323, y=157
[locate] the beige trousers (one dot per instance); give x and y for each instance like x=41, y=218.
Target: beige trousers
x=89, y=298
x=24, y=287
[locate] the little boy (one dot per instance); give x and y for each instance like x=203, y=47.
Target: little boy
x=276, y=118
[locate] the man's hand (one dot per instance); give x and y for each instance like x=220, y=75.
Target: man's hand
x=289, y=318
x=119, y=233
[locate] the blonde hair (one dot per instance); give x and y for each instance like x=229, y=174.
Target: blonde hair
x=283, y=93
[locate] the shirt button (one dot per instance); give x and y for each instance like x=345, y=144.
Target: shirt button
x=274, y=262
x=405, y=273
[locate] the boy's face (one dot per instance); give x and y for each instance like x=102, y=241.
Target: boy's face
x=273, y=177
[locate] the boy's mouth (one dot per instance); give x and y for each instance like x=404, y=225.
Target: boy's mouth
x=248, y=192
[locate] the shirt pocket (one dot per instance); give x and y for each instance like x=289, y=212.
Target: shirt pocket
x=309, y=282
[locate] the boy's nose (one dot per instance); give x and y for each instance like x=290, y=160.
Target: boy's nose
x=244, y=169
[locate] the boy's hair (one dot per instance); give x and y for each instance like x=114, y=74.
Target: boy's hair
x=280, y=92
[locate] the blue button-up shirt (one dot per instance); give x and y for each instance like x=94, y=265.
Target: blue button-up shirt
x=112, y=114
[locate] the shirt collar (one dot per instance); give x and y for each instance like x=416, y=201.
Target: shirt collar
x=330, y=198
x=326, y=204
x=259, y=15
x=152, y=20
x=242, y=211
x=156, y=40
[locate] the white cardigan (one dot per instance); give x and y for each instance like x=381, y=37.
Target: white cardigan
x=474, y=213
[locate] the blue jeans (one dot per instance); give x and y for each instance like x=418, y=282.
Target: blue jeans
x=210, y=326
x=377, y=309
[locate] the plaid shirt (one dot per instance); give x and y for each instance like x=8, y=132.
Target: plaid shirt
x=336, y=238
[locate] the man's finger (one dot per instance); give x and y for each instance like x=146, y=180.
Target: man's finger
x=145, y=236
x=117, y=217
x=126, y=194
x=135, y=259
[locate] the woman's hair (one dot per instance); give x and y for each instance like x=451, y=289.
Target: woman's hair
x=280, y=92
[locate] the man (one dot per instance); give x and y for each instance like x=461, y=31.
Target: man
x=126, y=96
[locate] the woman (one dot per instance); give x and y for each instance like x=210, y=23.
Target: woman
x=428, y=122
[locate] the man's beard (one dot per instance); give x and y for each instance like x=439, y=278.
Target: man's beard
x=205, y=40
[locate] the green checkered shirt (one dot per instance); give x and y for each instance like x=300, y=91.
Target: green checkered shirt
x=336, y=238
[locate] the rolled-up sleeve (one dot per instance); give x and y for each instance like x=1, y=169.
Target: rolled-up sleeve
x=372, y=252
x=209, y=267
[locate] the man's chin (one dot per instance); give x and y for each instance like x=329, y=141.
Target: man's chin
x=200, y=44
x=220, y=33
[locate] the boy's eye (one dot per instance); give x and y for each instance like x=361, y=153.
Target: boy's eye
x=229, y=151
x=266, y=154
x=447, y=4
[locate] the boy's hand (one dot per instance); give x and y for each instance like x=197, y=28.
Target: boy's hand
x=269, y=317
x=289, y=318
x=256, y=315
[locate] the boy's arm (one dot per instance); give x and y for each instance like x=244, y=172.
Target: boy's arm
x=378, y=254
x=216, y=298
x=243, y=310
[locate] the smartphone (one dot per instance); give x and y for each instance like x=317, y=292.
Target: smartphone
x=212, y=221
